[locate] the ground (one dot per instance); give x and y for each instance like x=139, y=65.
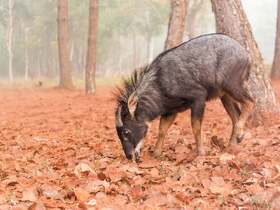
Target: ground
x=59, y=150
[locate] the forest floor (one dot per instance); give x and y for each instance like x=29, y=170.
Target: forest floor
x=59, y=150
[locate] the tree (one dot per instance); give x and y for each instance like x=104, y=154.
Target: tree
x=26, y=54
x=63, y=46
x=10, y=39
x=176, y=23
x=275, y=72
x=232, y=21
x=91, y=52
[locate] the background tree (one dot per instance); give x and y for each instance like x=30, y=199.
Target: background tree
x=10, y=39
x=23, y=19
x=232, y=20
x=117, y=34
x=124, y=41
x=275, y=72
x=90, y=83
x=63, y=45
x=176, y=24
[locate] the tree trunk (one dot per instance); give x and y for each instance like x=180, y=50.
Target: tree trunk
x=134, y=46
x=148, y=49
x=176, y=24
x=10, y=39
x=151, y=54
x=91, y=52
x=26, y=54
x=120, y=60
x=232, y=21
x=39, y=76
x=63, y=45
x=275, y=72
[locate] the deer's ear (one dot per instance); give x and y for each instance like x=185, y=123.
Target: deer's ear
x=119, y=122
x=132, y=104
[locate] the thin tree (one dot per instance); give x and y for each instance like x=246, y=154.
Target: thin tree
x=275, y=72
x=10, y=38
x=26, y=54
x=232, y=21
x=176, y=23
x=91, y=52
x=63, y=45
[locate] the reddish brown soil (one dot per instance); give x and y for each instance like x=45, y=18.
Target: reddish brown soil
x=59, y=150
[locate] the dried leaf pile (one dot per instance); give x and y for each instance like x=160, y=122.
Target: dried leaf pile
x=59, y=150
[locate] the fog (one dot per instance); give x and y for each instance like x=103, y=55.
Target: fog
x=262, y=16
x=131, y=33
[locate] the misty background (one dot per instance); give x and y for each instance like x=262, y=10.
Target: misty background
x=130, y=34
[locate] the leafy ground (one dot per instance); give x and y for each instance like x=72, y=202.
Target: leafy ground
x=59, y=150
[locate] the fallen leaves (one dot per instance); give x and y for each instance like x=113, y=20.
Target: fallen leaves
x=50, y=191
x=81, y=194
x=97, y=186
x=226, y=157
x=183, y=197
x=218, y=186
x=137, y=193
x=37, y=206
x=148, y=164
x=64, y=154
x=83, y=169
x=30, y=194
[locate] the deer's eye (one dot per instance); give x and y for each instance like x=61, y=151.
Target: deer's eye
x=126, y=132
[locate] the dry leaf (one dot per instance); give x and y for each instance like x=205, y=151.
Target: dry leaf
x=132, y=169
x=136, y=193
x=81, y=194
x=30, y=194
x=225, y=157
x=148, y=164
x=11, y=181
x=37, y=206
x=101, y=176
x=217, y=142
x=91, y=202
x=97, y=186
x=183, y=197
x=50, y=192
x=154, y=172
x=218, y=186
x=83, y=169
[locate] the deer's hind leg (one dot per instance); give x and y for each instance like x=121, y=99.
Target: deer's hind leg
x=234, y=114
x=238, y=115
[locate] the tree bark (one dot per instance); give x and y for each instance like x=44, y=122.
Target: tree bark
x=176, y=24
x=134, y=46
x=275, y=72
x=10, y=39
x=232, y=21
x=63, y=45
x=148, y=49
x=151, y=54
x=120, y=60
x=26, y=54
x=91, y=52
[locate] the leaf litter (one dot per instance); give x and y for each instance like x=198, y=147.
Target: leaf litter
x=59, y=150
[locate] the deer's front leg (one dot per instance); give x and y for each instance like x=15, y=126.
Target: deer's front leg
x=165, y=123
x=197, y=111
